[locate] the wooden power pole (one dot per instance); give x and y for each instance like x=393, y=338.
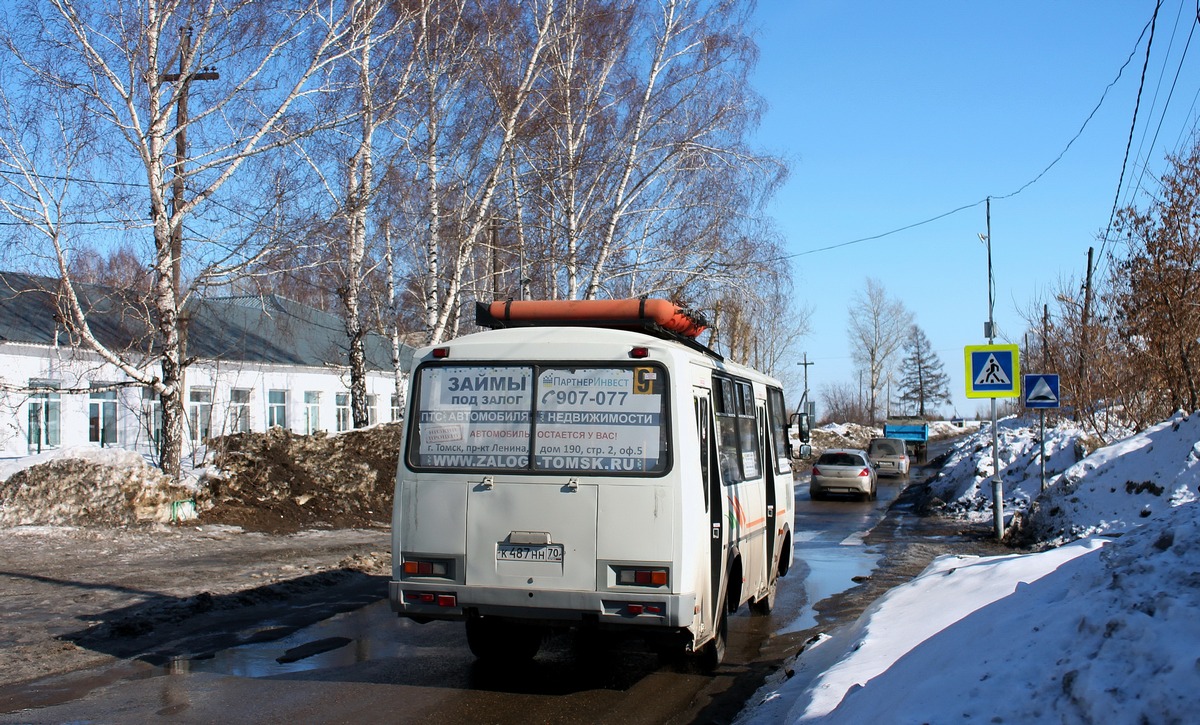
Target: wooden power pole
x=181, y=114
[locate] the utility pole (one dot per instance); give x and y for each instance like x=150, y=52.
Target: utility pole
x=990, y=333
x=181, y=114
x=1083, y=331
x=805, y=365
x=1042, y=411
x=1045, y=337
x=494, y=242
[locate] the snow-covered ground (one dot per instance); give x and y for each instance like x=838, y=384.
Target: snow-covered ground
x=1101, y=628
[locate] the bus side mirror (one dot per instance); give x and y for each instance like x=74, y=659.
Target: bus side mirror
x=803, y=426
x=801, y=423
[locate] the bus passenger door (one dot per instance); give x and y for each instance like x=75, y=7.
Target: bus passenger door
x=717, y=535
x=769, y=475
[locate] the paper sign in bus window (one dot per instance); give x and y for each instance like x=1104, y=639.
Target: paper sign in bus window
x=599, y=419
x=475, y=416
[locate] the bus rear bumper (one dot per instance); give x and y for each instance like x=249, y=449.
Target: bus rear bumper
x=557, y=608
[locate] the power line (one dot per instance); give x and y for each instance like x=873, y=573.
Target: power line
x=1132, y=126
x=1135, y=188
x=884, y=234
x=78, y=222
x=52, y=177
x=1023, y=187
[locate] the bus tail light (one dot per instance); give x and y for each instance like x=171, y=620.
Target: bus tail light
x=441, y=352
x=425, y=567
x=441, y=600
x=643, y=577
x=652, y=608
x=639, y=352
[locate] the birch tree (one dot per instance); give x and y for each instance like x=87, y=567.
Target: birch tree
x=684, y=174
x=636, y=174
x=479, y=66
x=183, y=104
x=878, y=325
x=375, y=80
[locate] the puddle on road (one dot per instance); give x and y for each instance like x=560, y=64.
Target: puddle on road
x=365, y=634
x=831, y=571
x=832, y=560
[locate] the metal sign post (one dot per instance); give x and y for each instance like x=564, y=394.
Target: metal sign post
x=994, y=371
x=1041, y=391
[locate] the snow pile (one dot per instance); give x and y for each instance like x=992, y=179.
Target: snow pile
x=1108, y=491
x=282, y=482
x=946, y=429
x=842, y=435
x=1119, y=486
x=89, y=486
x=1082, y=633
x=964, y=482
x=276, y=482
x=1097, y=630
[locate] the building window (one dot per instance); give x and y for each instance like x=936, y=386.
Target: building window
x=396, y=408
x=152, y=418
x=342, y=401
x=44, y=414
x=372, y=415
x=239, y=410
x=200, y=413
x=277, y=408
x=312, y=411
x=102, y=417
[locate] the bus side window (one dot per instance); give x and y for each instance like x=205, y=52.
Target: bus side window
x=725, y=394
x=777, y=420
x=748, y=443
x=703, y=428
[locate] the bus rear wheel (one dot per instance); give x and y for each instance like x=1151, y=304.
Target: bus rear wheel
x=493, y=640
x=762, y=606
x=712, y=654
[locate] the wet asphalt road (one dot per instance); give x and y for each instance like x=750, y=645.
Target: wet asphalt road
x=368, y=665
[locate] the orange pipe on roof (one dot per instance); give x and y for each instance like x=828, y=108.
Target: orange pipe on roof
x=601, y=312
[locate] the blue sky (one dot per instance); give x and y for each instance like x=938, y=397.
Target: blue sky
x=891, y=114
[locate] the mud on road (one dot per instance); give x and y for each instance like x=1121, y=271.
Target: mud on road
x=83, y=598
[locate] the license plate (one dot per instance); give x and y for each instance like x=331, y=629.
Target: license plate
x=530, y=552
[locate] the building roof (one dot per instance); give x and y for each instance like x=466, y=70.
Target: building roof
x=270, y=330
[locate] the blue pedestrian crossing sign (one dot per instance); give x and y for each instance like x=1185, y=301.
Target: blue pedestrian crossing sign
x=993, y=371
x=1041, y=391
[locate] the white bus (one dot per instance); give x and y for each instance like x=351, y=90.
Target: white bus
x=560, y=472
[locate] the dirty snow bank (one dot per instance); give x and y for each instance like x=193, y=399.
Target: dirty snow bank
x=1082, y=633
x=964, y=482
x=102, y=487
x=1119, y=486
x=1085, y=632
x=275, y=482
x=842, y=435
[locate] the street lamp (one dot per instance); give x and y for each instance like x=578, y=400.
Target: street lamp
x=989, y=331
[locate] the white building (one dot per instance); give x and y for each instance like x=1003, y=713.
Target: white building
x=255, y=363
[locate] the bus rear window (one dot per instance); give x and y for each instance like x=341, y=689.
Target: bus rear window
x=603, y=420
